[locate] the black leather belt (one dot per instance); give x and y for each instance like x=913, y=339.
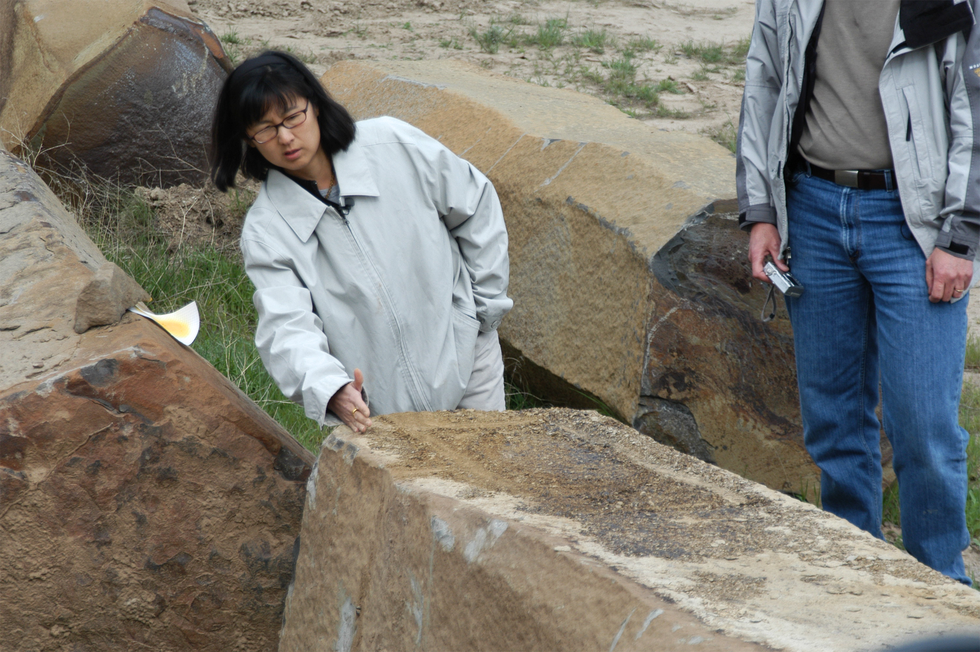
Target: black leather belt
x=860, y=179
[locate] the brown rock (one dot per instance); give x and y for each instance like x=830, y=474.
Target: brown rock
x=125, y=88
x=628, y=272
x=106, y=298
x=564, y=530
x=145, y=502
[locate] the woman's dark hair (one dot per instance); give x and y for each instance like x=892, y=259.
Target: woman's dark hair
x=269, y=80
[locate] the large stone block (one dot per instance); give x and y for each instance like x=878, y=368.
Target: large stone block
x=628, y=272
x=125, y=87
x=145, y=502
x=564, y=530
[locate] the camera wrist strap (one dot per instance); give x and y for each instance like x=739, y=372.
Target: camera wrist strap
x=770, y=298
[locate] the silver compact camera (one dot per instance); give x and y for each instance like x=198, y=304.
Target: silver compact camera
x=788, y=285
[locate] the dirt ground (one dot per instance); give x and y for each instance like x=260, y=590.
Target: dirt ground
x=687, y=51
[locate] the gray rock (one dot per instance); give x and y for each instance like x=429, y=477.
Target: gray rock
x=106, y=298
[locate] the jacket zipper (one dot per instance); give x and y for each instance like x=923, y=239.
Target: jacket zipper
x=390, y=309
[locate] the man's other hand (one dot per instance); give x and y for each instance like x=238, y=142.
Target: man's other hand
x=947, y=276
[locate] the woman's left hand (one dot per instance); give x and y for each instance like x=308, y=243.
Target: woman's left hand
x=349, y=405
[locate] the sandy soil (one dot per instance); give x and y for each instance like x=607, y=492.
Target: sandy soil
x=668, y=43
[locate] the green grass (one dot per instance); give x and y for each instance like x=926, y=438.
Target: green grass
x=726, y=135
x=232, y=38
x=595, y=40
x=550, y=34
x=490, y=40
x=715, y=54
x=973, y=354
x=450, y=43
x=121, y=223
x=641, y=44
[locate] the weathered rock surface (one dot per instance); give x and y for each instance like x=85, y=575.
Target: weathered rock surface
x=145, y=502
x=564, y=530
x=629, y=277
x=106, y=298
x=125, y=87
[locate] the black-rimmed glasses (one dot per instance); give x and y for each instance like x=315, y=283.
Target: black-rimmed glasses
x=292, y=121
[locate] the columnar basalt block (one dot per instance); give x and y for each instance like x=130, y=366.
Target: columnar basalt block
x=145, y=502
x=125, y=88
x=564, y=530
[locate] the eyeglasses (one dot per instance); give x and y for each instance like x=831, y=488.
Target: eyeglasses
x=292, y=121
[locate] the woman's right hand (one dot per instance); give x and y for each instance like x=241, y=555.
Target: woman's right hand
x=764, y=241
x=349, y=405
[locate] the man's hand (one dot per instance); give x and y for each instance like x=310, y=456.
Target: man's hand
x=947, y=276
x=349, y=406
x=764, y=240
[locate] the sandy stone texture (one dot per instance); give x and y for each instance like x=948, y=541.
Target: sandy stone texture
x=566, y=530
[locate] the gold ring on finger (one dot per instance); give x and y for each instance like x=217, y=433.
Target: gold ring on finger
x=354, y=411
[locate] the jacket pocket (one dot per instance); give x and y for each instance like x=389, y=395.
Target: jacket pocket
x=466, y=328
x=917, y=138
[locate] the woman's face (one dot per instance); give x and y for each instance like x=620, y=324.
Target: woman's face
x=296, y=150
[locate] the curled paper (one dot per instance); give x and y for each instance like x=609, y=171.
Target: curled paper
x=182, y=324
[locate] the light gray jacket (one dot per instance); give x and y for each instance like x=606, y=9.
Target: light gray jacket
x=399, y=287
x=931, y=96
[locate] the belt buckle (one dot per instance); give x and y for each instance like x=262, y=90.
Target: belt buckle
x=847, y=178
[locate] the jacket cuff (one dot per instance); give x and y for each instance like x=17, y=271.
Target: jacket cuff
x=960, y=239
x=755, y=214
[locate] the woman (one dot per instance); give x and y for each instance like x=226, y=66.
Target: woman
x=371, y=246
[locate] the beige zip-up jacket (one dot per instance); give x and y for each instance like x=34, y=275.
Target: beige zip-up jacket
x=399, y=287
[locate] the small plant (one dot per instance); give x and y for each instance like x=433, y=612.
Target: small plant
x=973, y=354
x=595, y=40
x=675, y=114
x=490, y=40
x=704, y=52
x=450, y=43
x=741, y=49
x=241, y=201
x=643, y=44
x=726, y=135
x=622, y=68
x=305, y=57
x=550, y=34
x=407, y=26
x=232, y=38
x=669, y=86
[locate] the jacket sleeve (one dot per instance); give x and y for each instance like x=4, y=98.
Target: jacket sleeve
x=960, y=234
x=470, y=209
x=762, y=87
x=289, y=335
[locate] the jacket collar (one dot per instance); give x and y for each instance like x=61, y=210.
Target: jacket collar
x=354, y=175
x=930, y=21
x=301, y=210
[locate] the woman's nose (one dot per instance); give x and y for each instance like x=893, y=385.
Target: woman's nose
x=285, y=135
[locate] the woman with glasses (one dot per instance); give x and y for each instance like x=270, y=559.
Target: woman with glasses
x=371, y=247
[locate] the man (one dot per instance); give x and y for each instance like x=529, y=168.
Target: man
x=859, y=167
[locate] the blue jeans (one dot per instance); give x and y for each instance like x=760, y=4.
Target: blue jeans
x=865, y=316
